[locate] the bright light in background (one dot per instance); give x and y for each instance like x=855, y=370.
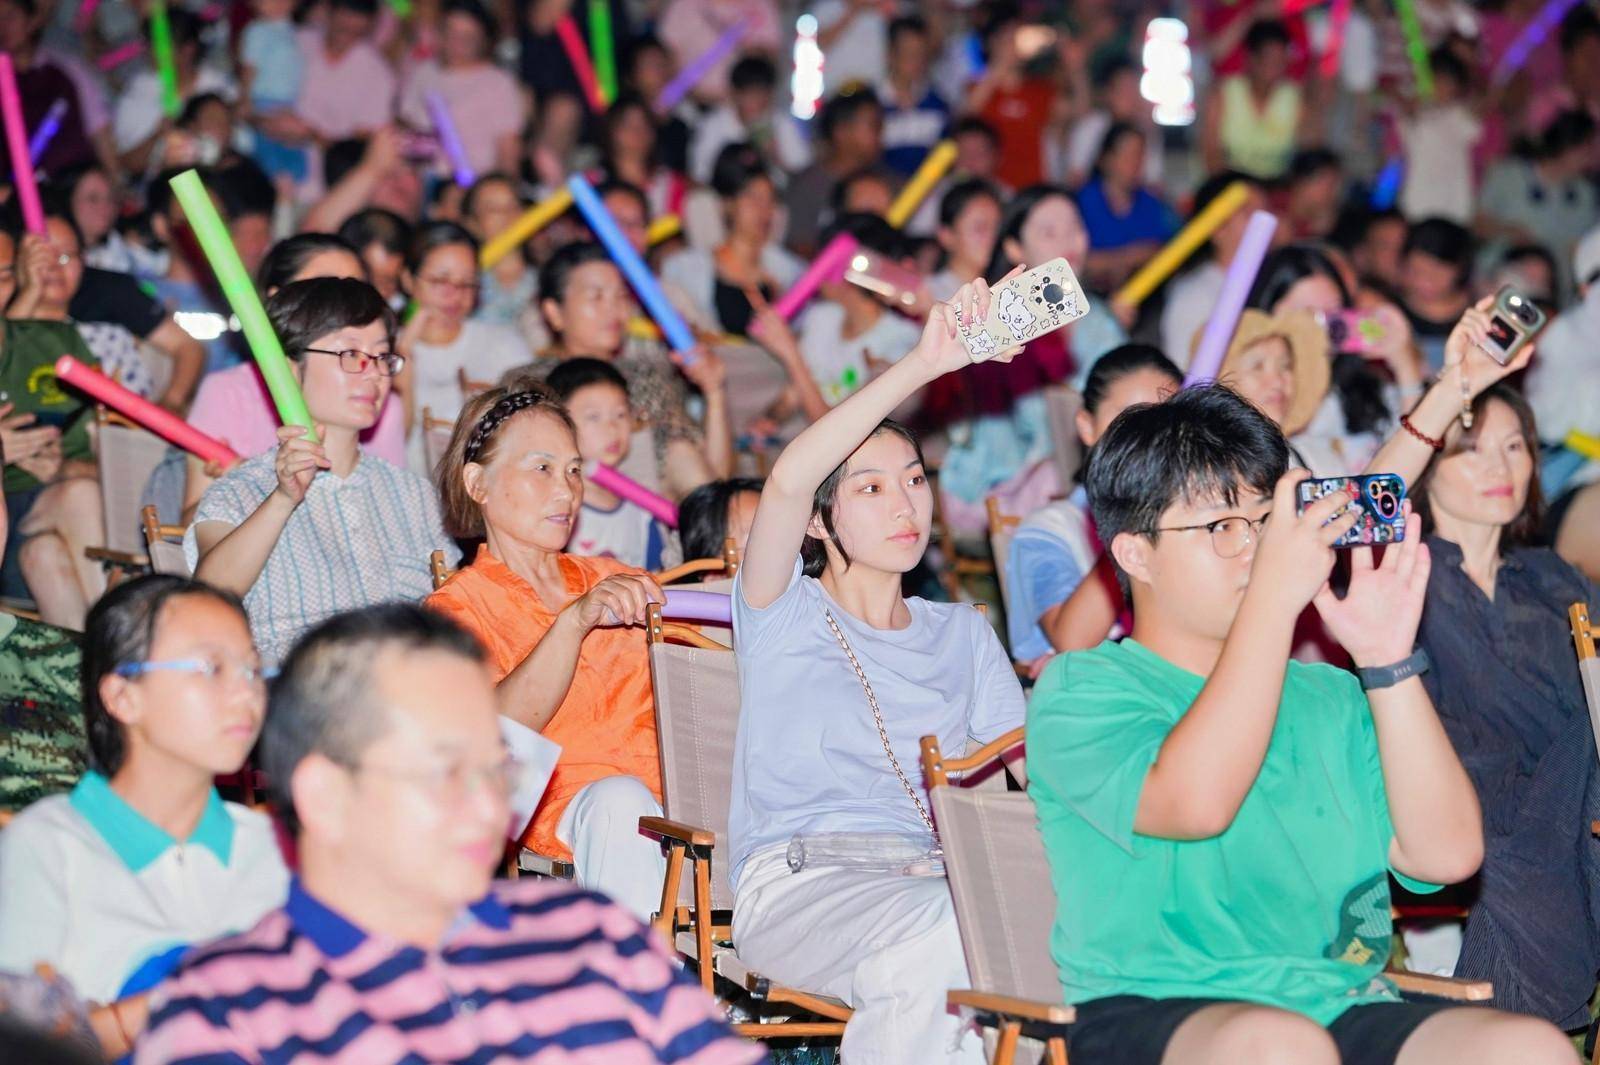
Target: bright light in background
x=806, y=86
x=1167, y=82
x=204, y=326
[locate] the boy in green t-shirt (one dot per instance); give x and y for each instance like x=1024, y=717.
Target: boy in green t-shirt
x=1221, y=821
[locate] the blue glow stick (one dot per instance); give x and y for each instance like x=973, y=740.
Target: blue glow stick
x=644, y=283
x=1386, y=189
x=49, y=126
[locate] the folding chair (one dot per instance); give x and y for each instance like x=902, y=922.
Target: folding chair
x=127, y=456
x=1006, y=907
x=697, y=712
x=1584, y=633
x=1002, y=527
x=163, y=544
x=435, y=437
x=728, y=565
x=437, y=568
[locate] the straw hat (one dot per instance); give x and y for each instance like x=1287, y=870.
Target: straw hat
x=1308, y=351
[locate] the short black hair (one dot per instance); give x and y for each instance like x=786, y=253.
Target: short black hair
x=870, y=231
x=1206, y=440
x=974, y=124
x=1286, y=267
x=626, y=188
x=477, y=13
x=1264, y=33
x=244, y=189
x=1577, y=27
x=375, y=225
x=470, y=200
x=960, y=195
x=118, y=632
x=432, y=236
x=1449, y=242
x=1444, y=60
x=290, y=255
x=1308, y=162
x=1118, y=363
x=703, y=515
x=184, y=24
x=1568, y=130
x=573, y=375
x=557, y=270
x=753, y=72
x=341, y=157
x=322, y=701
x=303, y=311
x=1108, y=143
x=1356, y=221
x=738, y=166
x=843, y=107
x=841, y=188
x=359, y=7
x=904, y=24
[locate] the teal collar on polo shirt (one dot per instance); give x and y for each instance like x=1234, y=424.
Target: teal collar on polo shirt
x=134, y=838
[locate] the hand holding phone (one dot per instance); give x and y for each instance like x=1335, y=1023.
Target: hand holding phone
x=1028, y=306
x=1514, y=320
x=1378, y=497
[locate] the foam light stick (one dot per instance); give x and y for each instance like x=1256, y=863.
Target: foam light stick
x=1584, y=444
x=136, y=408
x=449, y=139
x=687, y=605
x=625, y=487
x=84, y=19
x=1386, y=189
x=829, y=265
x=1242, y=272
x=703, y=64
x=166, y=63
x=1338, y=18
x=401, y=8
x=1416, y=47
x=17, y=146
x=212, y=234
x=49, y=126
x=644, y=283
x=1198, y=230
x=530, y=222
x=664, y=228
x=578, y=56
x=118, y=56
x=934, y=166
x=1516, y=55
x=603, y=48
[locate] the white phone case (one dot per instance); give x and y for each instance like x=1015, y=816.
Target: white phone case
x=1033, y=303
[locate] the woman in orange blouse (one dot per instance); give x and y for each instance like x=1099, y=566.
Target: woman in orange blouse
x=563, y=635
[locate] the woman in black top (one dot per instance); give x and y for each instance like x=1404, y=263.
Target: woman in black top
x=1506, y=683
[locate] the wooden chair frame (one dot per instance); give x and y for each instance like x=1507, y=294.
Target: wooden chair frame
x=118, y=564
x=1012, y=1018
x=727, y=565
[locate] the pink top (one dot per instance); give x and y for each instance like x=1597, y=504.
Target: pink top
x=343, y=97
x=484, y=103
x=689, y=27
x=234, y=406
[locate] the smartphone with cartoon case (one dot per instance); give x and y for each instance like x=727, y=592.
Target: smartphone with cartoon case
x=1379, y=497
x=1033, y=303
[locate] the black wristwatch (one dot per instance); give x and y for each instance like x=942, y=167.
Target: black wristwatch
x=1388, y=676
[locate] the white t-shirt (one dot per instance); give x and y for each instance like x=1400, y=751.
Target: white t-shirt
x=860, y=53
x=138, y=113
x=625, y=532
x=91, y=887
x=1438, y=143
x=807, y=756
x=840, y=365
x=1190, y=301
x=483, y=350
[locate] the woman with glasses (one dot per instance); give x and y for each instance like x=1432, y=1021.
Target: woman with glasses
x=111, y=883
x=317, y=526
x=446, y=345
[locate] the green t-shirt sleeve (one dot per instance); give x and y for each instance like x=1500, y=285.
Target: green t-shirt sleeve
x=28, y=378
x=1093, y=734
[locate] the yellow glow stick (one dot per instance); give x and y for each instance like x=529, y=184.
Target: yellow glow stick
x=1180, y=247
x=664, y=228
x=533, y=219
x=929, y=174
x=1584, y=444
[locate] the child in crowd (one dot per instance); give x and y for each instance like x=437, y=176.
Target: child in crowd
x=1222, y=822
x=271, y=69
x=715, y=513
x=596, y=395
x=1440, y=137
x=750, y=116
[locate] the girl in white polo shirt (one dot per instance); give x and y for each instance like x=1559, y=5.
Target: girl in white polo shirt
x=111, y=882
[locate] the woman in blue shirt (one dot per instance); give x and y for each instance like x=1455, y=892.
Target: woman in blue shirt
x=1127, y=222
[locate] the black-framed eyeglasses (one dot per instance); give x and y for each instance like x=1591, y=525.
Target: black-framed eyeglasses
x=1230, y=535
x=352, y=361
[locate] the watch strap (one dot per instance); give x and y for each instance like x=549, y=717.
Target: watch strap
x=1377, y=677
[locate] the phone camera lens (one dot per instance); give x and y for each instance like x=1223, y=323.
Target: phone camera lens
x=1525, y=313
x=1053, y=293
x=1386, y=503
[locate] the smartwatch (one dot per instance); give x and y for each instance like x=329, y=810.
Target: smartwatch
x=1388, y=676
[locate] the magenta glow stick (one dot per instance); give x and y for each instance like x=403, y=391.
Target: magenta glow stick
x=17, y=144
x=626, y=487
x=84, y=19
x=118, y=56
x=691, y=75
x=829, y=265
x=1253, y=248
x=136, y=408
x=687, y=605
x=450, y=140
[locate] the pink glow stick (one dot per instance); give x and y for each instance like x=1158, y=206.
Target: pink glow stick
x=698, y=606
x=578, y=55
x=118, y=56
x=17, y=144
x=84, y=19
x=622, y=485
x=135, y=408
x=829, y=265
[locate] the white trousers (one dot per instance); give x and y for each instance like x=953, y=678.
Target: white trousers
x=601, y=825
x=886, y=944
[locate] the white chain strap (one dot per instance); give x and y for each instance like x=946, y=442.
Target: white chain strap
x=877, y=719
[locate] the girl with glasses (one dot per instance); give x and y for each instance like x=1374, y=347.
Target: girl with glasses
x=112, y=882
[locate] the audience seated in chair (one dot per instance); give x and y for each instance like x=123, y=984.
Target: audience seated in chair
x=1221, y=822
x=826, y=645
x=563, y=636
x=385, y=760
x=110, y=884
x=717, y=513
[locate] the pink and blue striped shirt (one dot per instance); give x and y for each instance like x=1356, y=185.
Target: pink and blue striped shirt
x=537, y=971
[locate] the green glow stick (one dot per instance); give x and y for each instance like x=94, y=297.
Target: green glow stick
x=161, y=48
x=1416, y=47
x=602, y=48
x=212, y=234
x=401, y=8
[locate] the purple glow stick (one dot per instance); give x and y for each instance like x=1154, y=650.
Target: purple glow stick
x=49, y=126
x=1242, y=272
x=1533, y=34
x=690, y=75
x=449, y=139
x=698, y=606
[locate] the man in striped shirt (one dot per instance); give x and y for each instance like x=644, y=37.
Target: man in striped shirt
x=384, y=756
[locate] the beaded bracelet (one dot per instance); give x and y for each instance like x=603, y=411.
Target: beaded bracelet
x=1405, y=423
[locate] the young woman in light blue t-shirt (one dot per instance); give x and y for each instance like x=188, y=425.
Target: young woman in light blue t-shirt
x=840, y=677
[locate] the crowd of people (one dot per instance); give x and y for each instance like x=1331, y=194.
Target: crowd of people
x=257, y=802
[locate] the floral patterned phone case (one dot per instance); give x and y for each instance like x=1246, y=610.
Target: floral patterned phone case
x=1033, y=303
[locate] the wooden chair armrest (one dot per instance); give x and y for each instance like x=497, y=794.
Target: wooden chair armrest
x=678, y=832
x=1441, y=986
x=119, y=558
x=690, y=568
x=986, y=753
x=1022, y=1009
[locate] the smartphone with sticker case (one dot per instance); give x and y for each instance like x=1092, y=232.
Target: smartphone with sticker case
x=1379, y=497
x=1033, y=303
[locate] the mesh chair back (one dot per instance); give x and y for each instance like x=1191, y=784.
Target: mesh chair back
x=128, y=457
